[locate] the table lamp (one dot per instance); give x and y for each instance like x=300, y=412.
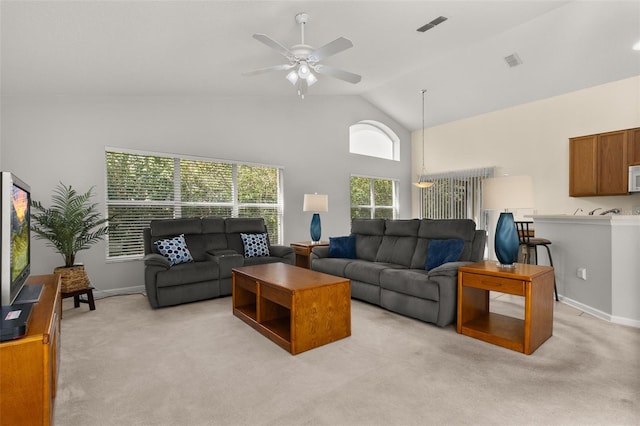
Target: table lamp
x=315, y=203
x=502, y=193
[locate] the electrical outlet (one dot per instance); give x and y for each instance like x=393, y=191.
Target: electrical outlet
x=582, y=273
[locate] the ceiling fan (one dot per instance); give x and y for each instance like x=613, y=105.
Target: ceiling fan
x=304, y=60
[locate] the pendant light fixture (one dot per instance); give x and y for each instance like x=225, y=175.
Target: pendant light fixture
x=422, y=183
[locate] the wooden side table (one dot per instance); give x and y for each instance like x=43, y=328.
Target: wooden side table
x=76, y=297
x=302, y=251
x=533, y=282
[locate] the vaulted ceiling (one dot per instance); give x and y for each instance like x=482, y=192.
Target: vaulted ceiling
x=185, y=47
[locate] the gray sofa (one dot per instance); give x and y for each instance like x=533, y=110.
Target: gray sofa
x=216, y=247
x=389, y=265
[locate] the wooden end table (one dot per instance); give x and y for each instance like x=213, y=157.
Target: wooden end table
x=533, y=282
x=302, y=251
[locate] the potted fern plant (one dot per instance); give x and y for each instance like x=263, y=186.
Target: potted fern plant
x=70, y=225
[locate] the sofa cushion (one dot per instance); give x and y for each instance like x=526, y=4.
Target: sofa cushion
x=255, y=245
x=175, y=249
x=365, y=271
x=398, y=250
x=413, y=282
x=187, y=273
x=440, y=229
x=171, y=227
x=331, y=266
x=442, y=251
x=343, y=247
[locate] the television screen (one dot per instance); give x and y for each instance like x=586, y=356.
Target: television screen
x=15, y=258
x=19, y=231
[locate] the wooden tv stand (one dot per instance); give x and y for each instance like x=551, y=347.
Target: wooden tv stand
x=29, y=365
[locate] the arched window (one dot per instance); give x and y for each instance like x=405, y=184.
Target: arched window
x=374, y=139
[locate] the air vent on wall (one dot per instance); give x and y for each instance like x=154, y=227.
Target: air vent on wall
x=513, y=60
x=438, y=20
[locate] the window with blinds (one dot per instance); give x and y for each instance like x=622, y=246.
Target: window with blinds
x=373, y=198
x=456, y=195
x=146, y=186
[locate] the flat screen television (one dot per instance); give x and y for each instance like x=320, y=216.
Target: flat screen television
x=15, y=237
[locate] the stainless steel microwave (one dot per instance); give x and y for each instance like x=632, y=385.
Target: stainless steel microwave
x=634, y=178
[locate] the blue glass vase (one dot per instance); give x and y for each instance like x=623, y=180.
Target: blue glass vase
x=315, y=229
x=506, y=241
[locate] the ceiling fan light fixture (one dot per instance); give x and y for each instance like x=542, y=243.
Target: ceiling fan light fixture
x=292, y=76
x=303, y=70
x=311, y=79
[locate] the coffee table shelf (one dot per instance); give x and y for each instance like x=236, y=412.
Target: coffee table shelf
x=296, y=308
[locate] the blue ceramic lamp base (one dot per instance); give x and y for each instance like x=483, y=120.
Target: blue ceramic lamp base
x=506, y=241
x=315, y=229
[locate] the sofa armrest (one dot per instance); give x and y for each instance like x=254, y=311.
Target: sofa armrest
x=320, y=252
x=155, y=259
x=449, y=269
x=227, y=262
x=280, y=251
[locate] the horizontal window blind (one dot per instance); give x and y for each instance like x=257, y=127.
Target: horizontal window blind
x=144, y=187
x=456, y=195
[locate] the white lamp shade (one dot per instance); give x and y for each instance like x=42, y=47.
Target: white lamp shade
x=315, y=203
x=508, y=192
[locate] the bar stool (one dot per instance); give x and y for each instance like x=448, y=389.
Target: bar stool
x=529, y=242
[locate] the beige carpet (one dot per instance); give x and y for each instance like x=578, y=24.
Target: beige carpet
x=197, y=364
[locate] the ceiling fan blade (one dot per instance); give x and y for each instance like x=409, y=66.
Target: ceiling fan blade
x=329, y=49
x=273, y=44
x=338, y=73
x=268, y=69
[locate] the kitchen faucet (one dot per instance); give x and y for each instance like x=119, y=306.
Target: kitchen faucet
x=614, y=211
x=594, y=210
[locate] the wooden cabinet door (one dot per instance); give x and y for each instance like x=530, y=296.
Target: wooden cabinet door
x=613, y=169
x=582, y=166
x=633, y=144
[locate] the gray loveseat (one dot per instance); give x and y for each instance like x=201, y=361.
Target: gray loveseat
x=389, y=265
x=216, y=247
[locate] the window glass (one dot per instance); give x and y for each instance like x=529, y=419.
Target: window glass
x=374, y=139
x=373, y=198
x=146, y=186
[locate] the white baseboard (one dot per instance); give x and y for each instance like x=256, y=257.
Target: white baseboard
x=100, y=294
x=599, y=314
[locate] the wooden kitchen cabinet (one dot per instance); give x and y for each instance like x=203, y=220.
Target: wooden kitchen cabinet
x=598, y=164
x=633, y=150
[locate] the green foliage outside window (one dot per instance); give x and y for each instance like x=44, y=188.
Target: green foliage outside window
x=372, y=198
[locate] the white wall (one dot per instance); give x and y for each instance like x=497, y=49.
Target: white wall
x=45, y=140
x=533, y=139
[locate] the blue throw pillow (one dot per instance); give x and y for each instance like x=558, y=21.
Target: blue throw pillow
x=440, y=252
x=175, y=249
x=255, y=245
x=343, y=247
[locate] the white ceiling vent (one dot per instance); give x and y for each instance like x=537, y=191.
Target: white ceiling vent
x=439, y=20
x=513, y=60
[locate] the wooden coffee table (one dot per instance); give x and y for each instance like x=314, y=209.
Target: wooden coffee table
x=296, y=308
